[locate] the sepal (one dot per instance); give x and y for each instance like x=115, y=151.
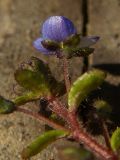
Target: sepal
x=51, y=45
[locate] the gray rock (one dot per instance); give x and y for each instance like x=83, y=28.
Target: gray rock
x=104, y=21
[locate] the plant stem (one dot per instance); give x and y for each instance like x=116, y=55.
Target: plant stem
x=41, y=118
x=66, y=74
x=83, y=137
x=91, y=143
x=58, y=108
x=76, y=131
x=79, y=134
x=105, y=133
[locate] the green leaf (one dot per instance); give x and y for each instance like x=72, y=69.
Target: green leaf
x=57, y=88
x=37, y=77
x=103, y=108
x=42, y=142
x=6, y=106
x=39, y=65
x=27, y=97
x=30, y=80
x=82, y=87
x=115, y=140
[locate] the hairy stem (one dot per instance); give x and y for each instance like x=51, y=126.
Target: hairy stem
x=58, y=108
x=76, y=131
x=79, y=134
x=41, y=118
x=83, y=137
x=91, y=143
x=66, y=74
x=105, y=133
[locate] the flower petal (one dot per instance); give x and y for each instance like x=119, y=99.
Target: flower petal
x=57, y=28
x=88, y=41
x=38, y=45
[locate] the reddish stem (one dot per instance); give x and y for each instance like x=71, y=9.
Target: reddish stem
x=78, y=134
x=105, y=133
x=58, y=108
x=41, y=118
x=82, y=136
x=91, y=143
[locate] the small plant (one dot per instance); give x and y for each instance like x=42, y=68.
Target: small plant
x=60, y=39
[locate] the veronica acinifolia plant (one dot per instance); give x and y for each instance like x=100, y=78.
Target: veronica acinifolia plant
x=60, y=38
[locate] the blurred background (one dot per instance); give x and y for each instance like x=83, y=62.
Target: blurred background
x=20, y=22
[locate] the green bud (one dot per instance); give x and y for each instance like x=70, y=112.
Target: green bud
x=103, y=108
x=6, y=106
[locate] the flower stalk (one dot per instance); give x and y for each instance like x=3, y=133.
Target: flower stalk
x=66, y=74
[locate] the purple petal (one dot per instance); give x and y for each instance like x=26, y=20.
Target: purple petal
x=57, y=28
x=88, y=41
x=37, y=44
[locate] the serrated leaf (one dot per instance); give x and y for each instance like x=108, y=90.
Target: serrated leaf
x=42, y=142
x=6, y=106
x=115, y=140
x=30, y=80
x=57, y=88
x=38, y=78
x=40, y=66
x=82, y=87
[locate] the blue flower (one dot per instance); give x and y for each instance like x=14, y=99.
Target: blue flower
x=55, y=28
x=38, y=45
x=58, y=29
